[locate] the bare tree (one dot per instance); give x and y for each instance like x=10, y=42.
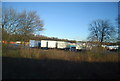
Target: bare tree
x=118, y=32
x=30, y=23
x=9, y=20
x=22, y=24
x=118, y=23
x=101, y=31
x=119, y=27
x=0, y=24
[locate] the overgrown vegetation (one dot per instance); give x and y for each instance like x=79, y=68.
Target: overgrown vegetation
x=95, y=55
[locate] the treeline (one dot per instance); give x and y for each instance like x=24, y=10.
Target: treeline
x=20, y=25
x=16, y=37
x=26, y=25
x=23, y=26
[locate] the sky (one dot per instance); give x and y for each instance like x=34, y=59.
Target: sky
x=68, y=20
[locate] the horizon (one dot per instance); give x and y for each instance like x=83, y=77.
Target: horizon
x=68, y=20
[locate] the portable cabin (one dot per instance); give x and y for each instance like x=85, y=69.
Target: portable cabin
x=104, y=46
x=34, y=43
x=18, y=42
x=44, y=44
x=78, y=46
x=52, y=44
x=112, y=47
x=62, y=45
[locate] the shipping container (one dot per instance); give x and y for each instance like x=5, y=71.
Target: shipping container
x=78, y=46
x=34, y=43
x=18, y=42
x=44, y=43
x=52, y=44
x=62, y=44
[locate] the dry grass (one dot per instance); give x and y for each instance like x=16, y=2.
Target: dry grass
x=28, y=63
x=95, y=55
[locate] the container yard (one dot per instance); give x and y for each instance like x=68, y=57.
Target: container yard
x=51, y=44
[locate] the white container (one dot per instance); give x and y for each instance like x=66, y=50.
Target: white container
x=62, y=44
x=44, y=43
x=18, y=42
x=104, y=46
x=78, y=46
x=110, y=47
x=52, y=44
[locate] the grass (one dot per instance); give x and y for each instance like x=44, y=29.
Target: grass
x=29, y=63
x=95, y=55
